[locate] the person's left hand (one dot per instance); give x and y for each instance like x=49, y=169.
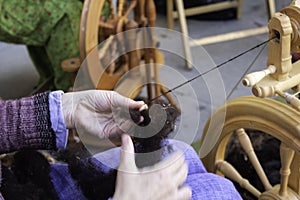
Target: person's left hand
x=96, y=112
x=163, y=180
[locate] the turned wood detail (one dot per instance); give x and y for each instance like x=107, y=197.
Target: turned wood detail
x=121, y=4
x=229, y=171
x=255, y=77
x=286, y=156
x=247, y=146
x=281, y=74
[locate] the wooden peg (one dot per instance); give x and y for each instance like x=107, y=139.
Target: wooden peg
x=255, y=77
x=70, y=64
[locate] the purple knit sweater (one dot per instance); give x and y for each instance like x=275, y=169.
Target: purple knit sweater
x=25, y=124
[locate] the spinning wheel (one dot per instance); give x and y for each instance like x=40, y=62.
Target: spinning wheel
x=100, y=21
x=266, y=115
x=115, y=40
x=275, y=118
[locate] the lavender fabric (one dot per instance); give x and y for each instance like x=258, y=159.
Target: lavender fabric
x=57, y=119
x=66, y=187
x=211, y=187
x=204, y=185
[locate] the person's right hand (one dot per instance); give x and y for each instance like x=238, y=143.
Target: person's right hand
x=162, y=181
x=95, y=112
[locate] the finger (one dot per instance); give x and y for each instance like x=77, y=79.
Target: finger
x=138, y=105
x=181, y=175
x=127, y=126
x=115, y=131
x=122, y=126
x=127, y=163
x=118, y=100
x=184, y=193
x=110, y=131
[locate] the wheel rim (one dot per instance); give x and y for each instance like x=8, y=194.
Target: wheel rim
x=266, y=115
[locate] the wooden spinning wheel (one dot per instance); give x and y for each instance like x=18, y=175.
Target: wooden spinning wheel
x=100, y=21
x=280, y=120
x=118, y=26
x=266, y=115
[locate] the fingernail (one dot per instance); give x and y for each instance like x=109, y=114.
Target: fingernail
x=143, y=107
x=124, y=139
x=141, y=119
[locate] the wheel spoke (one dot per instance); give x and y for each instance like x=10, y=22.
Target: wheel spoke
x=112, y=9
x=151, y=13
x=121, y=7
x=106, y=25
x=229, y=171
x=130, y=8
x=286, y=156
x=247, y=146
x=108, y=42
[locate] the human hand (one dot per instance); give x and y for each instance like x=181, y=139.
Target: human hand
x=161, y=181
x=95, y=112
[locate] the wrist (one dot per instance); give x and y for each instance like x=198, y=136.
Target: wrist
x=67, y=109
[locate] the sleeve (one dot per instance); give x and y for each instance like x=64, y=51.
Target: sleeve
x=25, y=124
x=57, y=119
x=29, y=22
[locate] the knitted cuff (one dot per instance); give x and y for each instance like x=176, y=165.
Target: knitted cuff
x=57, y=119
x=25, y=124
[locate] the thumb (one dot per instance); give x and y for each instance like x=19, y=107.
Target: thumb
x=118, y=100
x=127, y=162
